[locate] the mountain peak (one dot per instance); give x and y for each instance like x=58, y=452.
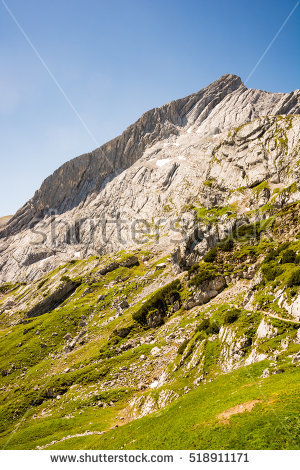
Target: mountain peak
x=191, y=128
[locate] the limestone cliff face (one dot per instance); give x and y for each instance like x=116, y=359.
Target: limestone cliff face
x=193, y=152
x=70, y=184
x=218, y=107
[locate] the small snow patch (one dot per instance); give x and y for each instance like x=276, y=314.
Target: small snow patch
x=163, y=161
x=154, y=384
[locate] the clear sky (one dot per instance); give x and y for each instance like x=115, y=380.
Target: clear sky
x=116, y=59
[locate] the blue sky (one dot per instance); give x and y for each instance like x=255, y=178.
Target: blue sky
x=117, y=59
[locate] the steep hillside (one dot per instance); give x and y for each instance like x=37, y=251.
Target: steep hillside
x=158, y=304
x=100, y=342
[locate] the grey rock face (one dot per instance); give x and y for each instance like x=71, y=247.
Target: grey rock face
x=131, y=190
x=70, y=184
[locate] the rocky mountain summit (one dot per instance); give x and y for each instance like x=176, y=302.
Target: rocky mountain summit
x=150, y=290
x=156, y=169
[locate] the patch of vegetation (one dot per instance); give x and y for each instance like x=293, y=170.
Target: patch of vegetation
x=260, y=187
x=209, y=182
x=8, y=286
x=210, y=327
x=213, y=214
x=271, y=271
x=288, y=256
x=231, y=316
x=205, y=272
x=211, y=255
x=194, y=421
x=253, y=230
x=294, y=278
x=226, y=245
x=159, y=302
x=182, y=347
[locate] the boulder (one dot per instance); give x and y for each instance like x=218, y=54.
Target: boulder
x=129, y=262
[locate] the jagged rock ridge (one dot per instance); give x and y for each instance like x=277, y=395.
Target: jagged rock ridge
x=155, y=169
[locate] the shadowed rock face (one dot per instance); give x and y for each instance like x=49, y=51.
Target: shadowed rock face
x=53, y=300
x=162, y=161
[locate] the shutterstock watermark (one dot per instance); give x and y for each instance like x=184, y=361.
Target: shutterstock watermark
x=53, y=228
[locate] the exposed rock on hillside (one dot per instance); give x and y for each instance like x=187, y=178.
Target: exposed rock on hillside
x=196, y=152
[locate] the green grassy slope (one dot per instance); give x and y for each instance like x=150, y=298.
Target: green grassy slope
x=193, y=422
x=50, y=390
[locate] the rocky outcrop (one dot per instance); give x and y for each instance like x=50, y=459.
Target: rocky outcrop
x=53, y=300
x=207, y=291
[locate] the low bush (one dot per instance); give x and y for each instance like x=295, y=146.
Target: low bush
x=204, y=325
x=294, y=279
x=288, y=256
x=193, y=269
x=272, y=255
x=160, y=301
x=226, y=245
x=205, y=274
x=182, y=347
x=253, y=230
x=271, y=271
x=231, y=316
x=211, y=328
x=247, y=230
x=211, y=255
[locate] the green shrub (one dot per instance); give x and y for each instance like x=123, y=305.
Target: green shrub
x=226, y=245
x=213, y=328
x=107, y=352
x=231, y=316
x=271, y=271
x=205, y=274
x=182, y=347
x=294, y=279
x=203, y=326
x=122, y=332
x=253, y=230
x=272, y=255
x=160, y=301
x=65, y=278
x=288, y=256
x=193, y=269
x=247, y=230
x=211, y=255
